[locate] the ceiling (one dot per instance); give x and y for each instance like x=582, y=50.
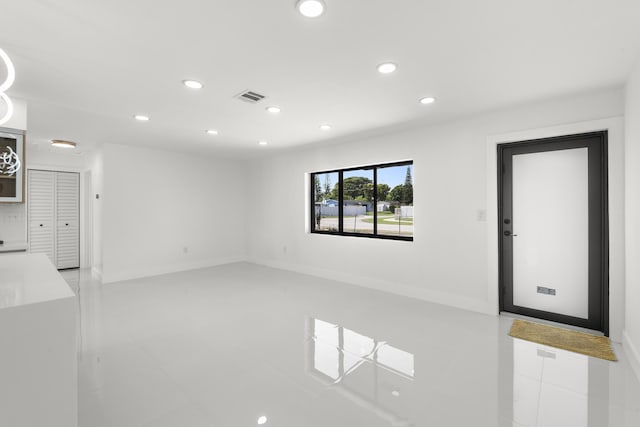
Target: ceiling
x=86, y=67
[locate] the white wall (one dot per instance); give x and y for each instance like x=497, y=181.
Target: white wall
x=632, y=215
x=97, y=185
x=447, y=261
x=13, y=222
x=157, y=203
x=55, y=158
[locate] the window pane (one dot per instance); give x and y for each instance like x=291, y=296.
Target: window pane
x=395, y=200
x=325, y=195
x=357, y=194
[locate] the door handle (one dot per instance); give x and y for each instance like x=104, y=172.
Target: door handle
x=67, y=223
x=508, y=234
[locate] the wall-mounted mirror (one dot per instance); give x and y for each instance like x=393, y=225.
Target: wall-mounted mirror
x=11, y=166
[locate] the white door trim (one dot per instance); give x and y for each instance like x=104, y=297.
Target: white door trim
x=615, y=128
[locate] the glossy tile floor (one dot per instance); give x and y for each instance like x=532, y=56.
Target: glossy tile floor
x=243, y=345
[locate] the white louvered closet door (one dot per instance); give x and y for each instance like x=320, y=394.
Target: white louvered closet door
x=67, y=213
x=54, y=216
x=41, y=204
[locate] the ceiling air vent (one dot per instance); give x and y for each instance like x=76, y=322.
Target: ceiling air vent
x=250, y=96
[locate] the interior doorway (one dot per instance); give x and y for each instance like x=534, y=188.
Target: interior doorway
x=553, y=229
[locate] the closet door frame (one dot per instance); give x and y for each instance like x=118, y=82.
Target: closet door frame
x=83, y=204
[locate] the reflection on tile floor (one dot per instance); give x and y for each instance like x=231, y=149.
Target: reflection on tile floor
x=238, y=344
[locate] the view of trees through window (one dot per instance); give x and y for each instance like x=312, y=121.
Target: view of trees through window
x=357, y=197
x=372, y=200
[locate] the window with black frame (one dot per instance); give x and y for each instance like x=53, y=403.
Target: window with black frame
x=369, y=201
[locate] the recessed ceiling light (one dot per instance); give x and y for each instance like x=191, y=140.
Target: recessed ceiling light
x=262, y=142
x=62, y=143
x=427, y=100
x=310, y=8
x=262, y=420
x=192, y=84
x=273, y=109
x=325, y=127
x=387, y=68
x=141, y=118
x=212, y=132
x=395, y=393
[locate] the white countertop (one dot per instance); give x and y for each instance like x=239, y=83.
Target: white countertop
x=29, y=279
x=14, y=247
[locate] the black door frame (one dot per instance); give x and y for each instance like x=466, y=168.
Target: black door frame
x=596, y=143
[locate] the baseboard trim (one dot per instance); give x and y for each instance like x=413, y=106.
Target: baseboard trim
x=632, y=353
x=159, y=270
x=401, y=289
x=450, y=300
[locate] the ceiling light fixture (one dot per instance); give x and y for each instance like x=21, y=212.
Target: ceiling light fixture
x=427, y=100
x=11, y=76
x=141, y=118
x=212, y=132
x=262, y=419
x=192, y=84
x=325, y=127
x=262, y=142
x=310, y=8
x=387, y=68
x=62, y=143
x=273, y=109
